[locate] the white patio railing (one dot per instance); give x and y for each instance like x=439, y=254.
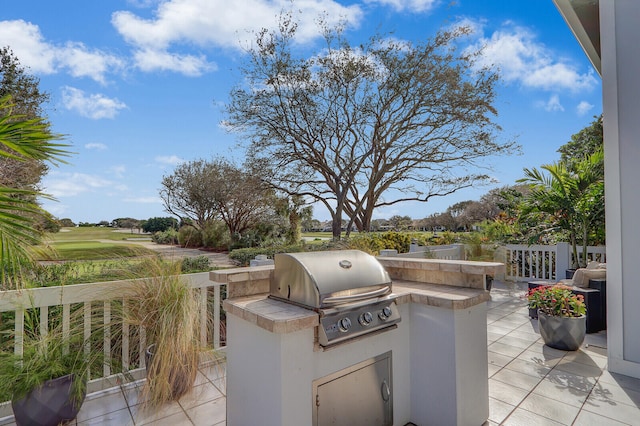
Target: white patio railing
x=101, y=295
x=447, y=252
x=544, y=262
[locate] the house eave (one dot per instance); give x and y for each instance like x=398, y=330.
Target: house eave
x=583, y=18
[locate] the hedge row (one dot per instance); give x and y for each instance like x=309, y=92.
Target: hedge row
x=371, y=243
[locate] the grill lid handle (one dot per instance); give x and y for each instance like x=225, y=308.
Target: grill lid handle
x=334, y=300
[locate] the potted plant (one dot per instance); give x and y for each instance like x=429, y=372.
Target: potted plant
x=168, y=311
x=561, y=316
x=47, y=384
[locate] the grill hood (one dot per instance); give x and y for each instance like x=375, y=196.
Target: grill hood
x=328, y=278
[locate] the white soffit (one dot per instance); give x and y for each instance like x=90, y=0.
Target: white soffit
x=583, y=17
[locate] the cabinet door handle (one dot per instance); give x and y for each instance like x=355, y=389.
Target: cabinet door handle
x=385, y=391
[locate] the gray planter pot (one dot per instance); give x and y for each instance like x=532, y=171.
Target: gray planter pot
x=566, y=333
x=49, y=404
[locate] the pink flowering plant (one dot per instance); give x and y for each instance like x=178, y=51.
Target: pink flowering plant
x=556, y=300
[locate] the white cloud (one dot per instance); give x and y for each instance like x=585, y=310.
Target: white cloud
x=118, y=171
x=83, y=62
x=26, y=41
x=33, y=51
x=55, y=208
x=583, y=108
x=94, y=106
x=215, y=23
x=410, y=5
x=523, y=59
x=143, y=200
x=152, y=60
x=95, y=145
x=169, y=159
x=62, y=185
x=552, y=105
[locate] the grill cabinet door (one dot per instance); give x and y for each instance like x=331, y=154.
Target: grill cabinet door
x=360, y=395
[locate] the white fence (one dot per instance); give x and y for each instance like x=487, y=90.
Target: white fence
x=543, y=262
x=448, y=252
x=89, y=296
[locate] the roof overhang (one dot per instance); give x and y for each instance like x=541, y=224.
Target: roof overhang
x=583, y=17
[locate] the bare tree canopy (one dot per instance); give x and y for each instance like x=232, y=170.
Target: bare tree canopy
x=361, y=127
x=189, y=192
x=203, y=191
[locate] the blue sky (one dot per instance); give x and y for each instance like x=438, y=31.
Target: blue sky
x=139, y=85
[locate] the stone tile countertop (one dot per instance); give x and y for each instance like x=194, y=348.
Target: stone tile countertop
x=280, y=317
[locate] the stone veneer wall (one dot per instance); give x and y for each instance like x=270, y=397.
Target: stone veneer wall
x=446, y=272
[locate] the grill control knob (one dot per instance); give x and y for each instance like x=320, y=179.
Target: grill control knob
x=344, y=324
x=385, y=314
x=365, y=319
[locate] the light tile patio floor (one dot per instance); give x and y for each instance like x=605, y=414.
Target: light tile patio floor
x=533, y=384
x=529, y=383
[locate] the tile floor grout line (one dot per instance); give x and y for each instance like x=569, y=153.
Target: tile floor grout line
x=601, y=415
x=531, y=392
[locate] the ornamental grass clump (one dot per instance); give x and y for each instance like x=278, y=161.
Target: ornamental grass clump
x=556, y=300
x=165, y=307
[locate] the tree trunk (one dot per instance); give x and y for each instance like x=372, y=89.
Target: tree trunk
x=585, y=242
x=574, y=247
x=336, y=226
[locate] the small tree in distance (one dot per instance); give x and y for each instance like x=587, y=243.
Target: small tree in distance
x=159, y=224
x=202, y=192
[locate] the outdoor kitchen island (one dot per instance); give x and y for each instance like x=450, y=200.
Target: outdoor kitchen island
x=430, y=368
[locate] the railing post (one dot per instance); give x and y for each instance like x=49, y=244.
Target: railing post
x=563, y=259
x=106, y=319
x=202, y=294
x=216, y=316
x=18, y=345
x=87, y=331
x=66, y=327
x=460, y=253
x=125, y=337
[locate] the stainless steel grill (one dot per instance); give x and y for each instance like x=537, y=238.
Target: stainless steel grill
x=349, y=289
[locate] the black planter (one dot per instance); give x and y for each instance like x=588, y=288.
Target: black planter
x=50, y=404
x=565, y=333
x=568, y=273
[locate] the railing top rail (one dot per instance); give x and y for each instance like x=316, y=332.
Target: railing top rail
x=77, y=293
x=533, y=247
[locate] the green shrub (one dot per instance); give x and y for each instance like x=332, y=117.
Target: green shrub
x=374, y=242
x=170, y=236
x=216, y=235
x=194, y=264
x=243, y=256
x=188, y=236
x=53, y=274
x=473, y=245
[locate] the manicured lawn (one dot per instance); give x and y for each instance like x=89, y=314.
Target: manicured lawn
x=95, y=233
x=92, y=250
x=317, y=235
x=92, y=243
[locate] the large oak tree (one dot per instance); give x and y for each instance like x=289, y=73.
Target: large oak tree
x=361, y=127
